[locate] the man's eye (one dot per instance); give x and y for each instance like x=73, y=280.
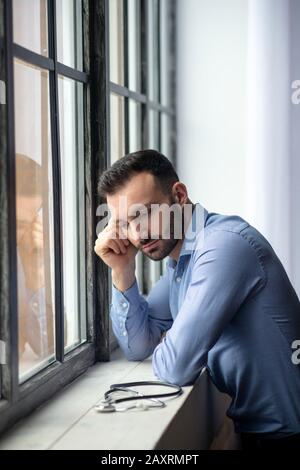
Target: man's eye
x=139, y=215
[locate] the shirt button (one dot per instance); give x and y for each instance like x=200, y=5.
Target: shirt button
x=178, y=279
x=124, y=304
x=124, y=333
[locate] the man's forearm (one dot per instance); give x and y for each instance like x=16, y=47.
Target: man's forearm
x=138, y=322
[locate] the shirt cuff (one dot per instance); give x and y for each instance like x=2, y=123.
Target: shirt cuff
x=121, y=303
x=122, y=299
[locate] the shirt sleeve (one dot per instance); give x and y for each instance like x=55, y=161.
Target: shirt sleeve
x=137, y=321
x=224, y=274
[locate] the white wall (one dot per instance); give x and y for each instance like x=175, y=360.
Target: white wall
x=295, y=146
x=238, y=131
x=211, y=81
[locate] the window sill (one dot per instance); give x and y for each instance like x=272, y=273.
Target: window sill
x=69, y=420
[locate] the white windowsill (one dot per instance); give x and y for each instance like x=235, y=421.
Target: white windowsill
x=69, y=420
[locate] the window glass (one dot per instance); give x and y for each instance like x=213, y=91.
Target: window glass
x=166, y=135
x=153, y=129
x=153, y=54
x=116, y=41
x=34, y=214
x=73, y=200
x=165, y=47
x=117, y=127
x=135, y=134
x=134, y=42
x=69, y=32
x=30, y=25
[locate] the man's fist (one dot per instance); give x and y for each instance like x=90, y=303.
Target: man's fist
x=118, y=253
x=31, y=250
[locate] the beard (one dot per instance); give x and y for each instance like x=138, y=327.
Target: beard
x=163, y=249
x=165, y=246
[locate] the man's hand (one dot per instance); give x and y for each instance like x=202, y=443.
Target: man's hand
x=119, y=254
x=31, y=249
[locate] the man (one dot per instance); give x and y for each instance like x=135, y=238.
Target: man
x=225, y=301
x=35, y=315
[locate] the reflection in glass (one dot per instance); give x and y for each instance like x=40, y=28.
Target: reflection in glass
x=69, y=32
x=134, y=43
x=116, y=41
x=153, y=55
x=30, y=25
x=34, y=222
x=117, y=127
x=73, y=201
x=135, y=133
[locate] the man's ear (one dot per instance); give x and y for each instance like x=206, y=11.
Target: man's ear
x=180, y=193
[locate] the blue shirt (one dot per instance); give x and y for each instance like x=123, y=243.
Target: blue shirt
x=229, y=306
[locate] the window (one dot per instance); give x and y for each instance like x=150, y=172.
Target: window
x=44, y=323
x=142, y=113
x=77, y=92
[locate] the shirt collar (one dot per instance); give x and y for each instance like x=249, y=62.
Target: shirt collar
x=196, y=224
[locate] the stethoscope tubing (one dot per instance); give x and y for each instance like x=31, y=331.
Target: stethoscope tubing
x=125, y=387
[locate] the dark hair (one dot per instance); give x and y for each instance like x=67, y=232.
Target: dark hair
x=134, y=163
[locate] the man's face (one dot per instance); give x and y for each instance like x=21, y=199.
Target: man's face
x=27, y=208
x=141, y=191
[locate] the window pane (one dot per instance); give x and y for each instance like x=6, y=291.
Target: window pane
x=34, y=212
x=116, y=41
x=134, y=43
x=153, y=62
x=165, y=49
x=117, y=127
x=33, y=13
x=135, y=131
x=73, y=202
x=154, y=272
x=153, y=129
x=139, y=270
x=69, y=32
x=166, y=135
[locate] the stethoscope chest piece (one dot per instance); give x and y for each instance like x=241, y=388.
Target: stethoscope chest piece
x=105, y=407
x=108, y=404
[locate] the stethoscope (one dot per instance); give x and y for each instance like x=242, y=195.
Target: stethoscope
x=108, y=404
